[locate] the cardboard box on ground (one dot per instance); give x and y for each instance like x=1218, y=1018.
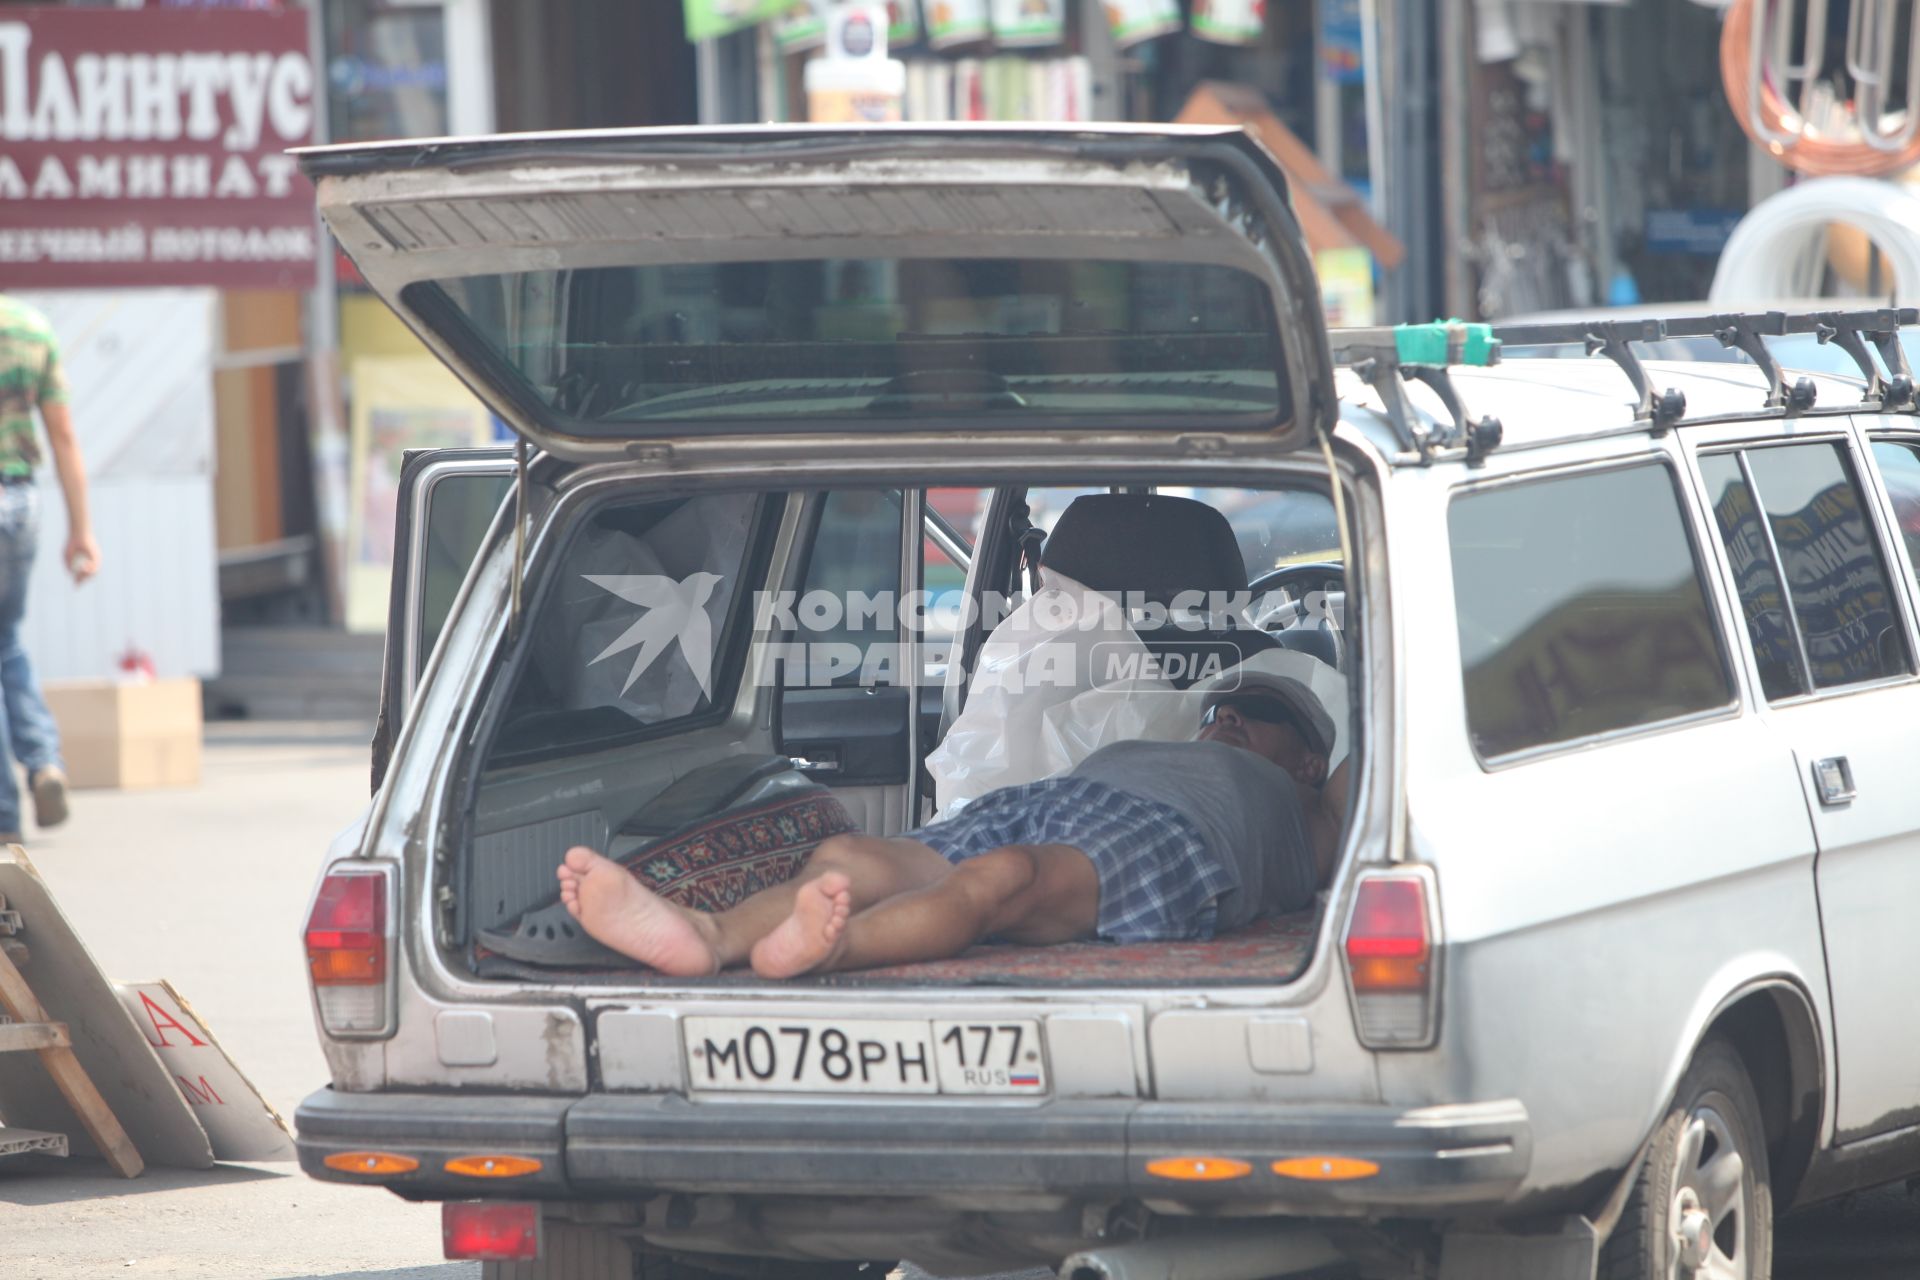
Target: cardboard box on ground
x=128, y=733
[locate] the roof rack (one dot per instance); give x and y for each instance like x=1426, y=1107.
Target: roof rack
x=1383, y=357
x=1424, y=352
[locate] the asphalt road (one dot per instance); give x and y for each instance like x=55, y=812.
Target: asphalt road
x=207, y=888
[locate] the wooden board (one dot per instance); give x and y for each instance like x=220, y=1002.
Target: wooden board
x=240, y=1123
x=123, y=1066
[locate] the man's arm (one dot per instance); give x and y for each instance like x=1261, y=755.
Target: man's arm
x=82, y=556
x=1326, y=817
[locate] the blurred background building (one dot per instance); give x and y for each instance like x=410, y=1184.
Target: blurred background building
x=1475, y=158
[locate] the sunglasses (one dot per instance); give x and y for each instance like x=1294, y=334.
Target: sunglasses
x=1254, y=706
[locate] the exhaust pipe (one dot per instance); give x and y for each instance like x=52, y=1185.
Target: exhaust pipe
x=1228, y=1252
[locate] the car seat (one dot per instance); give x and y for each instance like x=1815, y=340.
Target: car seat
x=1158, y=549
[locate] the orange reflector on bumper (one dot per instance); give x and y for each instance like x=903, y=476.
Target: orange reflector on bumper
x=1199, y=1168
x=494, y=1166
x=371, y=1162
x=1325, y=1168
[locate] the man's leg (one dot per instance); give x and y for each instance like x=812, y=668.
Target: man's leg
x=1037, y=894
x=31, y=733
x=619, y=911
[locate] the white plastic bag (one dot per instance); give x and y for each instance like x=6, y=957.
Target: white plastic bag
x=1042, y=656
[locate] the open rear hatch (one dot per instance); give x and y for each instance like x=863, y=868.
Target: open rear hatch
x=766, y=296
x=716, y=288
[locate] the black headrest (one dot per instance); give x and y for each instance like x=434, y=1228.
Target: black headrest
x=1151, y=543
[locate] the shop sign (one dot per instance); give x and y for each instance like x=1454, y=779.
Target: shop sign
x=709, y=18
x=803, y=26
x=956, y=22
x=904, y=28
x=1229, y=21
x=1696, y=231
x=1026, y=23
x=1342, y=42
x=1135, y=21
x=148, y=147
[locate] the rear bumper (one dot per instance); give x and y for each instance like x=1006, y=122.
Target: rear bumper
x=1430, y=1160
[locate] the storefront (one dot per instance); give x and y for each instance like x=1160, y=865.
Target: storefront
x=1588, y=154
x=1293, y=70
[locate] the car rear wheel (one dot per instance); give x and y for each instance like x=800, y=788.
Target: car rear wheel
x=1701, y=1208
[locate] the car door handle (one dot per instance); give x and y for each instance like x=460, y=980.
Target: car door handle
x=1833, y=777
x=804, y=765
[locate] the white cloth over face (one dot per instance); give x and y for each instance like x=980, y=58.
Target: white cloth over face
x=1047, y=652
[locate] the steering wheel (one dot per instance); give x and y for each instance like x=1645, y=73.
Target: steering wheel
x=1297, y=580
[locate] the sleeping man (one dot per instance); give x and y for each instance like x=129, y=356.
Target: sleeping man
x=1140, y=842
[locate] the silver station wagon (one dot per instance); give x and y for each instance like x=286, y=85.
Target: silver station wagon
x=1613, y=964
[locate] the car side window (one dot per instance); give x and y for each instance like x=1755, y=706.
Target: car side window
x=1574, y=621
x=461, y=506
x=848, y=608
x=1799, y=509
x=1776, y=647
x=1900, y=468
x=635, y=631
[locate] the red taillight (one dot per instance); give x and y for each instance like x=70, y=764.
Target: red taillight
x=490, y=1231
x=1387, y=944
x=347, y=931
x=347, y=943
x=1390, y=961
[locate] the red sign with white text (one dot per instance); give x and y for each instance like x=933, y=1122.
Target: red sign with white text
x=148, y=147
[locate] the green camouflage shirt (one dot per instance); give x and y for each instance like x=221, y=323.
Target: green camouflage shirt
x=30, y=377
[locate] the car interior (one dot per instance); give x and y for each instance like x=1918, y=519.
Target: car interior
x=709, y=736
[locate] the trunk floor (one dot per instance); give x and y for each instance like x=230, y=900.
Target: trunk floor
x=1271, y=950
x=1274, y=949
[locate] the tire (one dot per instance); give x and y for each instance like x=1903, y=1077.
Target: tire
x=1689, y=1184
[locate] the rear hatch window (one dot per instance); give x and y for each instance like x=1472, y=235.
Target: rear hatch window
x=874, y=339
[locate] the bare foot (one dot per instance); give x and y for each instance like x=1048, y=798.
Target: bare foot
x=618, y=910
x=813, y=935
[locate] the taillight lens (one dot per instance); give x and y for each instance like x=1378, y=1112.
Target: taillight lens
x=346, y=940
x=490, y=1231
x=1390, y=962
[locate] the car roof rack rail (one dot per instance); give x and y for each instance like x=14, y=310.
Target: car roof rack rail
x=1851, y=331
x=1384, y=357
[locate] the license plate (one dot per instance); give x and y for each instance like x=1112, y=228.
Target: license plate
x=820, y=1055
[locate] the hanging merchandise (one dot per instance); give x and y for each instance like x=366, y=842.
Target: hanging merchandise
x=1025, y=23
x=956, y=22
x=903, y=25
x=801, y=27
x=709, y=18
x=1135, y=21
x=1229, y=21
x=854, y=81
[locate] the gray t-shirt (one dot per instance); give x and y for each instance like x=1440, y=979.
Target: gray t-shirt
x=1248, y=810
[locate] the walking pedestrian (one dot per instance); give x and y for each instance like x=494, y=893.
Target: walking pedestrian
x=31, y=378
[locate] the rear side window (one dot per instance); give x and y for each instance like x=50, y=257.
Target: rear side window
x=634, y=632
x=1581, y=609
x=1763, y=605
x=1795, y=530
x=1900, y=468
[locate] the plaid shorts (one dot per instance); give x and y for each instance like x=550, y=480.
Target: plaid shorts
x=1159, y=881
